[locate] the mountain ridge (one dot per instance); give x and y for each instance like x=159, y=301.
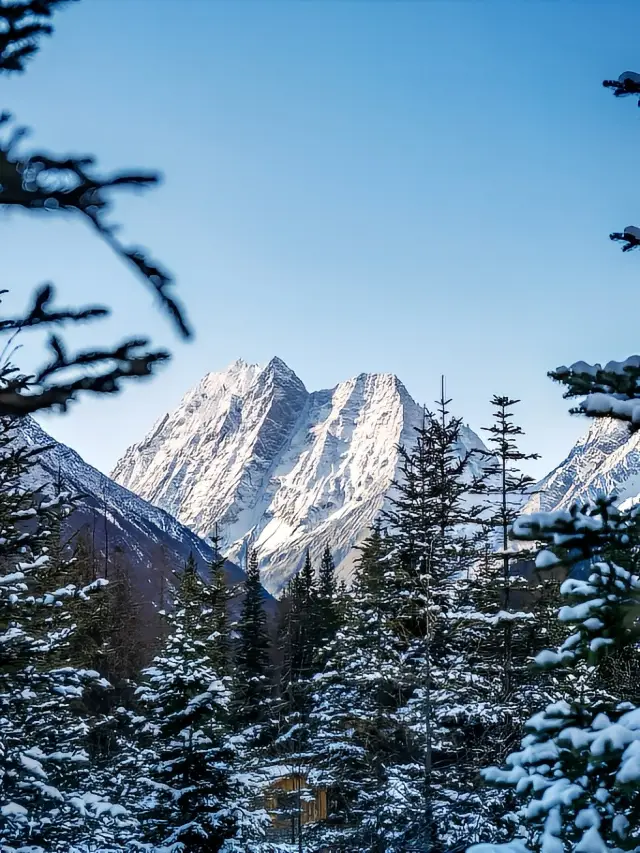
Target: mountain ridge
x=606, y=459
x=250, y=450
x=117, y=518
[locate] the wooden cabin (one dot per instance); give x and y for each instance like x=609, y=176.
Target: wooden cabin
x=291, y=801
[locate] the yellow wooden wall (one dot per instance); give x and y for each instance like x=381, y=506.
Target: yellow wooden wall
x=312, y=810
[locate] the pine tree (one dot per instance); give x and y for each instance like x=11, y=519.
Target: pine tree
x=220, y=634
x=578, y=766
x=253, y=687
x=196, y=799
x=433, y=529
x=361, y=747
x=297, y=630
x=578, y=770
x=500, y=602
x=47, y=796
x=326, y=603
x=505, y=482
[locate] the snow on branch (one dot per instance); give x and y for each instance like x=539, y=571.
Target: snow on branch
x=627, y=84
x=583, y=532
x=610, y=391
x=22, y=22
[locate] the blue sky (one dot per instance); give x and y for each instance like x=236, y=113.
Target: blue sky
x=417, y=188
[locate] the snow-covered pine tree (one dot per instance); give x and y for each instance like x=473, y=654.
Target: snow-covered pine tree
x=284, y=753
x=362, y=751
x=579, y=767
x=308, y=619
x=500, y=600
x=195, y=800
x=505, y=485
x=47, y=798
x=433, y=526
x=578, y=770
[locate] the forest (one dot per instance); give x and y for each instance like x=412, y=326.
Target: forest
x=473, y=687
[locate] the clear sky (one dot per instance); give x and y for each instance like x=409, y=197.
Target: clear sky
x=417, y=188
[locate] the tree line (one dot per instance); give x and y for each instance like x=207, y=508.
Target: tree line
x=406, y=698
x=388, y=695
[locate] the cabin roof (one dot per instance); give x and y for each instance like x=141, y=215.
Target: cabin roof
x=280, y=771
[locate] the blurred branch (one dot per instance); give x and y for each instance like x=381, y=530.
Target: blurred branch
x=95, y=371
x=41, y=182
x=22, y=23
x=628, y=83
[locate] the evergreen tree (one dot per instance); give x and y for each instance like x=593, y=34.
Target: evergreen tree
x=253, y=687
x=326, y=604
x=433, y=527
x=220, y=596
x=361, y=747
x=297, y=630
x=196, y=800
x=578, y=771
x=47, y=794
x=297, y=637
x=578, y=767
x=501, y=602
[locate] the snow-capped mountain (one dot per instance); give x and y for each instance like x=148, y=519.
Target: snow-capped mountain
x=112, y=516
x=606, y=459
x=250, y=450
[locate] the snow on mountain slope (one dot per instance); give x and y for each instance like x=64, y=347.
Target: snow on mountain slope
x=606, y=459
x=250, y=450
x=151, y=539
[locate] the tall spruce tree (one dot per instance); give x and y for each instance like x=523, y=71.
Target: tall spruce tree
x=48, y=797
x=500, y=597
x=433, y=526
x=253, y=683
x=195, y=798
x=362, y=750
x=326, y=603
x=220, y=598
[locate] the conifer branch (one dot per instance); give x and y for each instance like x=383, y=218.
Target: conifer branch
x=628, y=83
x=22, y=23
x=42, y=182
x=99, y=371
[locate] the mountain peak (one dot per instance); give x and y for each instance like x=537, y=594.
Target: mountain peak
x=276, y=363
x=272, y=463
x=279, y=375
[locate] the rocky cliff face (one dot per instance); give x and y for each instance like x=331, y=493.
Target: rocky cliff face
x=606, y=459
x=251, y=451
